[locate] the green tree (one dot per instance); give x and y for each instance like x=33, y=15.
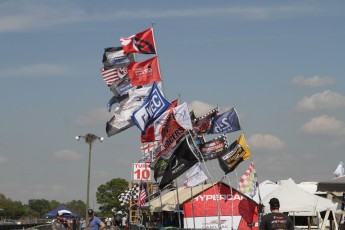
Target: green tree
x=77, y=206
x=107, y=195
x=41, y=206
x=11, y=209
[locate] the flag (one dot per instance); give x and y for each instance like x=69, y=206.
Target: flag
x=226, y=122
x=142, y=42
x=194, y=176
x=115, y=57
x=249, y=182
x=142, y=196
x=237, y=152
x=116, y=99
x=114, y=126
x=182, y=159
x=154, y=105
x=148, y=147
x=158, y=167
x=213, y=148
x=339, y=171
x=202, y=124
x=171, y=132
x=114, y=74
x=145, y=72
x=127, y=195
x=136, y=97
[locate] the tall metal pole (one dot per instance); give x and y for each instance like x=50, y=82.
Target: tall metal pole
x=89, y=139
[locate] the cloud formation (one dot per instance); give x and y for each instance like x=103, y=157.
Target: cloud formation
x=315, y=81
x=265, y=142
x=67, y=155
x=324, y=125
x=327, y=100
x=18, y=16
x=36, y=70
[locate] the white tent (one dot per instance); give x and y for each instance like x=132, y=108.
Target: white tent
x=294, y=199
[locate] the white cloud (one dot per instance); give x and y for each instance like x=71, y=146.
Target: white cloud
x=265, y=142
x=98, y=116
x=3, y=160
x=200, y=108
x=67, y=155
x=36, y=70
x=324, y=125
x=322, y=101
x=312, y=81
x=18, y=15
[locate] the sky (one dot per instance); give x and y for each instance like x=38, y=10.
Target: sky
x=279, y=63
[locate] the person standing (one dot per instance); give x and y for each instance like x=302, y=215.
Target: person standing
x=82, y=224
x=275, y=220
x=61, y=223
x=94, y=222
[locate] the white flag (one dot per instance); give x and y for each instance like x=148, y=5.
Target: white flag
x=126, y=108
x=194, y=176
x=339, y=170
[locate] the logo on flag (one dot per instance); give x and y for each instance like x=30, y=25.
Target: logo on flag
x=142, y=42
x=144, y=73
x=226, y=122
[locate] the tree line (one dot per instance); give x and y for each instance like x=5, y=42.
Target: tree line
x=106, y=196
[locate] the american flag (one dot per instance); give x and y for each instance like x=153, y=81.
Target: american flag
x=142, y=196
x=112, y=75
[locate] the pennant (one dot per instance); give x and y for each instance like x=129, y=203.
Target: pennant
x=171, y=132
x=339, y=171
x=249, y=182
x=113, y=126
x=115, y=57
x=154, y=105
x=142, y=42
x=182, y=159
x=135, y=98
x=144, y=73
x=213, y=148
x=237, y=152
x=202, y=125
x=114, y=74
x=226, y=122
x=194, y=176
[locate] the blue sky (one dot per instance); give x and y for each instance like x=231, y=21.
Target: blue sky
x=279, y=63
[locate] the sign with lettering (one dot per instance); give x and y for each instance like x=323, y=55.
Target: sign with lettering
x=141, y=172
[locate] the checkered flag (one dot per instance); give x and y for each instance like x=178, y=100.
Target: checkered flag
x=127, y=195
x=249, y=182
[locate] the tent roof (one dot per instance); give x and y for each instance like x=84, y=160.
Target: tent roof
x=333, y=185
x=54, y=212
x=168, y=201
x=294, y=199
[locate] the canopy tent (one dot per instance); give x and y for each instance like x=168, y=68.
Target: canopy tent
x=294, y=199
x=54, y=212
x=169, y=201
x=333, y=185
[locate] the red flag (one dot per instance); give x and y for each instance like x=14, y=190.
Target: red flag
x=142, y=42
x=171, y=132
x=143, y=73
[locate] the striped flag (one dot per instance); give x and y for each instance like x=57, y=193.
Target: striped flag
x=249, y=181
x=112, y=75
x=142, y=196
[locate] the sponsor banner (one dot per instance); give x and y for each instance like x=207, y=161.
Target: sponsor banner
x=211, y=222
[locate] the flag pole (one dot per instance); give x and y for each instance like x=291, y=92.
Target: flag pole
x=178, y=205
x=191, y=193
x=159, y=66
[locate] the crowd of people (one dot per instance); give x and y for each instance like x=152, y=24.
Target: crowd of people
x=65, y=222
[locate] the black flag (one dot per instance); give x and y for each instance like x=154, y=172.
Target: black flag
x=182, y=159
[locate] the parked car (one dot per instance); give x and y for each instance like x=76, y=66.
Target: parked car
x=10, y=221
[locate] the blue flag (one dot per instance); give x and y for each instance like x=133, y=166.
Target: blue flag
x=154, y=105
x=226, y=122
